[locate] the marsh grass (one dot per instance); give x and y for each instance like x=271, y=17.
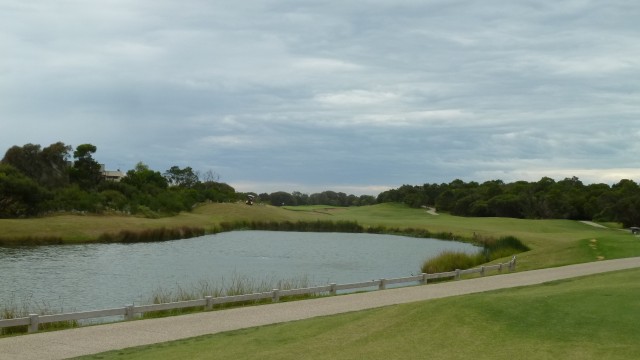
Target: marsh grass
x=344, y=226
x=152, y=235
x=31, y=240
x=235, y=285
x=492, y=249
x=14, y=309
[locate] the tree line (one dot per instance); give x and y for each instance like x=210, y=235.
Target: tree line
x=544, y=199
x=36, y=180
x=330, y=198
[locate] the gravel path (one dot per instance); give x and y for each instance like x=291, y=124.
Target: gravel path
x=94, y=339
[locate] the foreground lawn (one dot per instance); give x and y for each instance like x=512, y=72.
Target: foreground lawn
x=595, y=317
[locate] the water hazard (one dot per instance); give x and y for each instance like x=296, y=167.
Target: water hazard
x=101, y=276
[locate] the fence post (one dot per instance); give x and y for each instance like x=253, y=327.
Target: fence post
x=128, y=312
x=423, y=281
x=276, y=295
x=34, y=321
x=208, y=302
x=500, y=267
x=512, y=266
x=332, y=290
x=383, y=284
x=481, y=270
x=457, y=274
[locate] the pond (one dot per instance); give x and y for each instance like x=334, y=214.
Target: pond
x=66, y=278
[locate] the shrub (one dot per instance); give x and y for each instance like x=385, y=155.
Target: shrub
x=151, y=235
x=450, y=261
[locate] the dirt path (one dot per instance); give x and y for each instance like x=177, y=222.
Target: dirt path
x=432, y=211
x=95, y=339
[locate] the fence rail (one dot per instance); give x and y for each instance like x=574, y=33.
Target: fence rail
x=33, y=321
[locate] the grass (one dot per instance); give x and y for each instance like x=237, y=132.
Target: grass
x=593, y=317
x=587, y=318
x=14, y=309
x=236, y=285
x=493, y=249
x=552, y=242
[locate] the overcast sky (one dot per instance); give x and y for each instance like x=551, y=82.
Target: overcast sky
x=353, y=96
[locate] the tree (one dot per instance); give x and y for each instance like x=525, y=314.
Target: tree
x=86, y=172
x=55, y=167
x=145, y=179
x=185, y=178
x=281, y=198
x=20, y=196
x=46, y=166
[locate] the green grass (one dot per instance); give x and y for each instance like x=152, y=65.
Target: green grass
x=595, y=317
x=552, y=242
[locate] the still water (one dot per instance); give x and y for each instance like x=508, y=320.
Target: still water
x=101, y=276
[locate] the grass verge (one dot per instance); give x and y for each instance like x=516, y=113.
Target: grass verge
x=593, y=317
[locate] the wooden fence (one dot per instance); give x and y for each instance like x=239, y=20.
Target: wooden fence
x=128, y=312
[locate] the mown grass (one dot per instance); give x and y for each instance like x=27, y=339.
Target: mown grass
x=595, y=317
x=552, y=242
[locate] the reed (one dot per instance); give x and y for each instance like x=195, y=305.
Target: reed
x=235, y=285
x=492, y=249
x=152, y=235
x=14, y=309
x=31, y=240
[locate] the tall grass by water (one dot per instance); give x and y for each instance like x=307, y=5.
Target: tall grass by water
x=151, y=235
x=13, y=308
x=235, y=285
x=492, y=249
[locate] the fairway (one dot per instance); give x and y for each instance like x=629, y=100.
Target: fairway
x=552, y=242
x=594, y=317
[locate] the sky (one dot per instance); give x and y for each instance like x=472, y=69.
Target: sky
x=351, y=96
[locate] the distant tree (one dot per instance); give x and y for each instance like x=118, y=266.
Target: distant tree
x=185, y=178
x=46, y=166
x=25, y=158
x=145, y=179
x=280, y=198
x=55, y=165
x=86, y=172
x=300, y=198
x=20, y=196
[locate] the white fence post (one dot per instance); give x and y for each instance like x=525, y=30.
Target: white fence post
x=128, y=312
x=209, y=302
x=424, y=280
x=457, y=274
x=34, y=321
x=512, y=265
x=276, y=295
x=482, y=271
x=383, y=284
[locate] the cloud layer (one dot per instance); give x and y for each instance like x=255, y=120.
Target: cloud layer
x=361, y=96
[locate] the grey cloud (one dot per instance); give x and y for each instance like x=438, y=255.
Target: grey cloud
x=348, y=93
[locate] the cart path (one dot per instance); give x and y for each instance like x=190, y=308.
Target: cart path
x=95, y=339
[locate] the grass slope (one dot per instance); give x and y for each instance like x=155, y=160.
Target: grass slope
x=593, y=317
x=553, y=242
